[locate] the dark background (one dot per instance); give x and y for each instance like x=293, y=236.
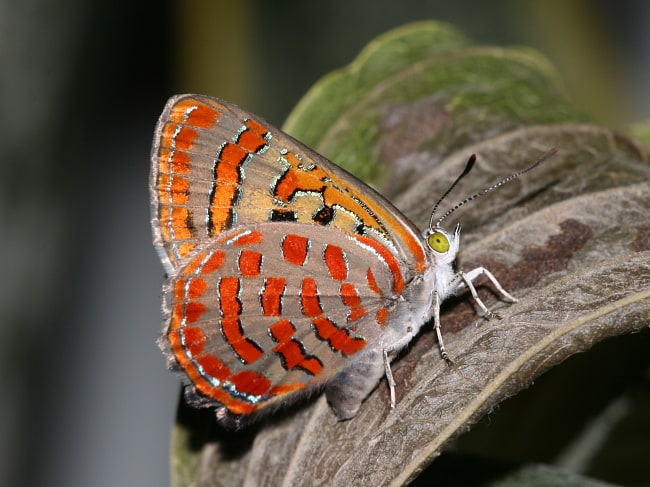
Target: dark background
x=86, y=397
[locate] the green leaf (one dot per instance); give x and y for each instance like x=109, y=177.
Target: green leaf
x=423, y=89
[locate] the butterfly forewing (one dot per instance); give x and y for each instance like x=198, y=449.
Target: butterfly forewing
x=216, y=166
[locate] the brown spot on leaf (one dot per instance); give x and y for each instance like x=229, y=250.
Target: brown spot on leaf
x=642, y=240
x=537, y=262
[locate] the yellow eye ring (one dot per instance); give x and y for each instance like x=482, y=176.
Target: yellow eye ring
x=439, y=242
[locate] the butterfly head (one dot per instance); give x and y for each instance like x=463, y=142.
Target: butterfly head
x=443, y=245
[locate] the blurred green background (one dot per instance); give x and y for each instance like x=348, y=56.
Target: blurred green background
x=86, y=397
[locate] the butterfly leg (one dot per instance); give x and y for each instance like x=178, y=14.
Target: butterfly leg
x=389, y=379
x=395, y=347
x=467, y=283
x=438, y=328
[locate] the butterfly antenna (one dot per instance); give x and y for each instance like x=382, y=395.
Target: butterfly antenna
x=541, y=159
x=468, y=167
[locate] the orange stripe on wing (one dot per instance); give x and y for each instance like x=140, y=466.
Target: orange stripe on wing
x=295, y=248
x=282, y=331
x=197, y=288
x=309, y=298
x=201, y=116
x=291, y=351
x=194, y=339
x=250, y=263
x=372, y=282
x=191, y=269
x=179, y=290
x=194, y=112
x=213, y=367
x=350, y=295
x=194, y=311
x=173, y=189
x=249, y=382
x=382, y=316
x=293, y=356
x=214, y=263
x=210, y=367
x=257, y=127
x=176, y=220
x=229, y=297
x=271, y=297
x=390, y=260
x=338, y=338
x=250, y=238
x=230, y=159
x=245, y=348
x=225, y=188
x=252, y=139
x=179, y=137
x=174, y=161
x=356, y=314
x=336, y=263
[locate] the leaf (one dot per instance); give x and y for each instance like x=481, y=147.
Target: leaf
x=571, y=240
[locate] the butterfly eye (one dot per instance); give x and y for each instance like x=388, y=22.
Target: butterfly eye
x=439, y=242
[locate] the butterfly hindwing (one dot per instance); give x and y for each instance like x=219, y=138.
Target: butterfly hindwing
x=268, y=309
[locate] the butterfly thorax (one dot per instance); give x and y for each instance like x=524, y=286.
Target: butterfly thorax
x=440, y=275
x=415, y=307
x=442, y=249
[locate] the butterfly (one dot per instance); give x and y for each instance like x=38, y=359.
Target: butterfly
x=285, y=273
